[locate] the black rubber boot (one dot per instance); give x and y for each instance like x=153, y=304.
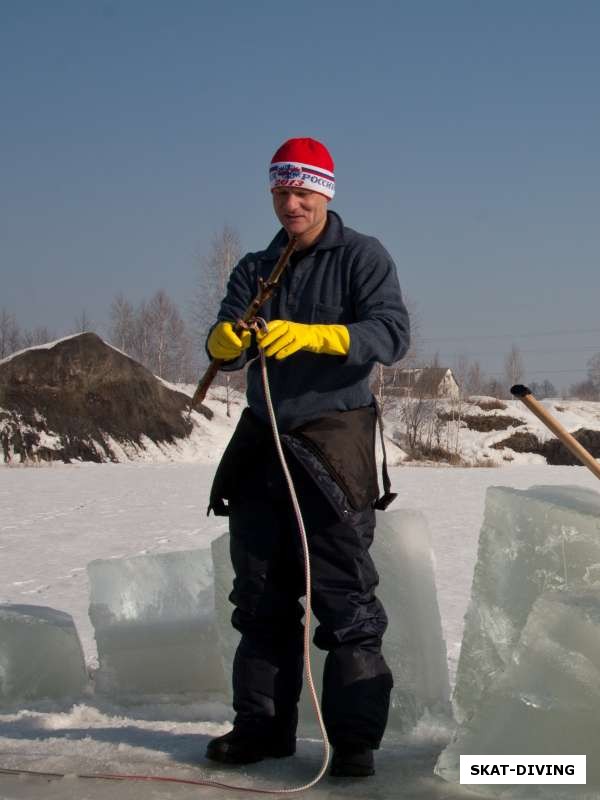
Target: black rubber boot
x=352, y=763
x=243, y=747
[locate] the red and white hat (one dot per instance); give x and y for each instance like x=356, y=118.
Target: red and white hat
x=303, y=164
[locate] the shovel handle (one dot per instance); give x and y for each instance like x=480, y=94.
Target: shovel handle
x=526, y=397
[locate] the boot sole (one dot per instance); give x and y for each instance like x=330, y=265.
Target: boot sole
x=347, y=773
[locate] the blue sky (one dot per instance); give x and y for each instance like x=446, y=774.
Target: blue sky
x=465, y=136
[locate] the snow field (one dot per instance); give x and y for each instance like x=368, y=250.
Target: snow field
x=55, y=520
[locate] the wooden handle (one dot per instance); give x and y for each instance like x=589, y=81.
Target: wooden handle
x=204, y=383
x=266, y=290
x=525, y=396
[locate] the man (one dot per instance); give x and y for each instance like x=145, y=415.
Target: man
x=337, y=311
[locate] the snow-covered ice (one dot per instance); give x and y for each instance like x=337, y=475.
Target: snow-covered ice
x=57, y=519
x=40, y=655
x=548, y=698
x=156, y=610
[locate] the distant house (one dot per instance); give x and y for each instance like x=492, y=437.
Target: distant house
x=421, y=382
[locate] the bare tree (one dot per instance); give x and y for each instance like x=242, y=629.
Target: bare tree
x=461, y=372
x=434, y=361
x=167, y=337
x=122, y=324
x=181, y=360
x=160, y=313
x=142, y=337
x=154, y=334
x=513, y=366
x=585, y=390
x=475, y=379
x=543, y=389
x=36, y=336
x=423, y=430
x=10, y=337
x=414, y=412
x=495, y=387
x=215, y=269
x=593, y=370
x=82, y=323
x=415, y=409
x=588, y=389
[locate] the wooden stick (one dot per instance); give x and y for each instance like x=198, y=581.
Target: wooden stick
x=525, y=396
x=265, y=290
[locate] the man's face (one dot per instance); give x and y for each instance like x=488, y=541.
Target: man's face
x=301, y=212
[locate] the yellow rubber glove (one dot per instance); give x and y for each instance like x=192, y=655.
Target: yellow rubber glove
x=225, y=343
x=284, y=338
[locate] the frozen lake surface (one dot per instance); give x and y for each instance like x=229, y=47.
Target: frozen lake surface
x=55, y=520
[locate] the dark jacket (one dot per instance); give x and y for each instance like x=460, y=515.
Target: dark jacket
x=345, y=278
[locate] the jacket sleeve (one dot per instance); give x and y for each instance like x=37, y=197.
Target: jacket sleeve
x=382, y=329
x=241, y=290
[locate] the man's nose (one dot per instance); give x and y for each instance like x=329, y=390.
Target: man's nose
x=291, y=202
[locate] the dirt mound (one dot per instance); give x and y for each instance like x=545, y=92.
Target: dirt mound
x=67, y=401
x=553, y=450
x=556, y=453
x=484, y=423
x=521, y=443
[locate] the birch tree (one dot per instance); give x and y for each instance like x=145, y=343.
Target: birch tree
x=10, y=337
x=514, y=369
x=154, y=334
x=212, y=277
x=36, y=336
x=82, y=323
x=475, y=379
x=122, y=324
x=214, y=271
x=593, y=370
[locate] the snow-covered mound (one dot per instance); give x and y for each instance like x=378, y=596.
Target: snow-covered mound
x=529, y=436
x=485, y=431
x=81, y=399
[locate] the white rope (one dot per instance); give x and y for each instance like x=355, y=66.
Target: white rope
x=307, y=575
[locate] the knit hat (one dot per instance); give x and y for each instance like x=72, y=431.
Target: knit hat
x=303, y=164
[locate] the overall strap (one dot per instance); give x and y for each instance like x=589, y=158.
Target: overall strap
x=387, y=497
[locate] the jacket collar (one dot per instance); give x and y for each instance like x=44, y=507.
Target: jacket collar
x=332, y=237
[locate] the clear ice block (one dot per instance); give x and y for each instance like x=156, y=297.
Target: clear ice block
x=532, y=541
x=547, y=699
x=154, y=621
x=40, y=655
